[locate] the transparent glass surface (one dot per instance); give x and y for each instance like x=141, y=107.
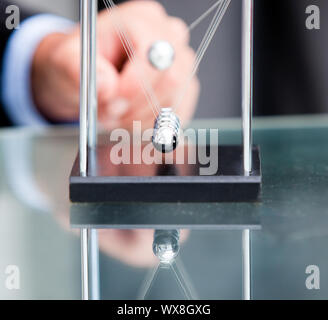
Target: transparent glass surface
x=35, y=233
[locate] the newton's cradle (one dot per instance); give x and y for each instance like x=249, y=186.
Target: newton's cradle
x=127, y=199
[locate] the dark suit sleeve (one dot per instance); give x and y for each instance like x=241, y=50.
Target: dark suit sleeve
x=4, y=36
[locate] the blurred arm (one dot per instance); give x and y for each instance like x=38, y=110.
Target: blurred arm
x=17, y=61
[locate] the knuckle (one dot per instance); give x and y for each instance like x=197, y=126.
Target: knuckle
x=178, y=26
x=190, y=55
x=72, y=71
x=70, y=68
x=55, y=58
x=155, y=7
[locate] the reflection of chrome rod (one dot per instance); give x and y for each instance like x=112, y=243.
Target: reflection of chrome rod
x=94, y=265
x=247, y=82
x=85, y=264
x=84, y=83
x=246, y=253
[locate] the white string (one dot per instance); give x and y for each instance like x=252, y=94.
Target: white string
x=145, y=84
x=130, y=52
x=148, y=282
x=194, y=24
x=128, y=47
x=223, y=6
x=182, y=277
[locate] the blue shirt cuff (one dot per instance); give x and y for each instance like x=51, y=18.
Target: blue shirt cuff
x=17, y=63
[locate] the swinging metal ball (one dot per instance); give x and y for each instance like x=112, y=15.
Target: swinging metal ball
x=161, y=55
x=166, y=131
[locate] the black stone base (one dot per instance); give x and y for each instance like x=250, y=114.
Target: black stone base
x=107, y=182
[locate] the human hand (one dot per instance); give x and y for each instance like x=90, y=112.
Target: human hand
x=56, y=69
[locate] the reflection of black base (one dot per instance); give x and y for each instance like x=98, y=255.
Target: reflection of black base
x=166, y=183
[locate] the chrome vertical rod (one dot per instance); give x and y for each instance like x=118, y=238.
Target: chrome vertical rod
x=246, y=254
x=92, y=103
x=85, y=264
x=247, y=82
x=94, y=265
x=84, y=85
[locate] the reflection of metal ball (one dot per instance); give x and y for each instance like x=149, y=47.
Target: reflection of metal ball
x=166, y=245
x=161, y=55
x=166, y=131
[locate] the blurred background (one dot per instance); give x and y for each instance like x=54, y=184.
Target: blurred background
x=290, y=60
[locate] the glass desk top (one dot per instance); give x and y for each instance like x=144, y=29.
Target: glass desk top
x=35, y=233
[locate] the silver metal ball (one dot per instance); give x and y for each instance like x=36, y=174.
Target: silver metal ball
x=166, y=245
x=161, y=55
x=166, y=131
